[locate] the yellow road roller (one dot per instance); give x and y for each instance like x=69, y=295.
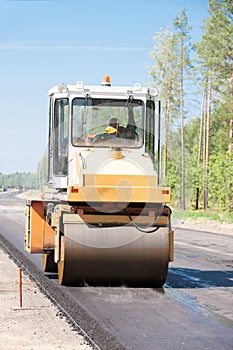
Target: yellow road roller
x=103, y=218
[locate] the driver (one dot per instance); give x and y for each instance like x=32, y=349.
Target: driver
x=128, y=132
x=112, y=127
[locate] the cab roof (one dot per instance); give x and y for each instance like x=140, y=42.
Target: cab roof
x=80, y=88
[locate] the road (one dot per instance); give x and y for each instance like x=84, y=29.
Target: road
x=192, y=311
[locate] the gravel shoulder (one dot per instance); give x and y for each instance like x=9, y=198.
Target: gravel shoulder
x=38, y=324
x=204, y=224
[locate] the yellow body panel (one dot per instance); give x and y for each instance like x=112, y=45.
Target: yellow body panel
x=115, y=180
x=118, y=194
x=39, y=236
x=118, y=188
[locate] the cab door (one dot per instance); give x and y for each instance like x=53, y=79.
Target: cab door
x=59, y=142
x=150, y=129
x=152, y=135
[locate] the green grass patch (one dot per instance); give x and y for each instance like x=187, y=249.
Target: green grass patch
x=229, y=218
x=185, y=214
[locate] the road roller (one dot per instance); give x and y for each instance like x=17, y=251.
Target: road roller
x=102, y=217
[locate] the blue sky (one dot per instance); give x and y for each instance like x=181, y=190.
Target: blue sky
x=45, y=43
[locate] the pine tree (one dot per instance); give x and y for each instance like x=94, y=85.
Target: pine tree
x=216, y=54
x=165, y=77
x=182, y=34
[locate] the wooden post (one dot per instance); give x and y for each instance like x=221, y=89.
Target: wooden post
x=20, y=288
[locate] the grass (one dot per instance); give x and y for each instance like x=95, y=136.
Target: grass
x=210, y=215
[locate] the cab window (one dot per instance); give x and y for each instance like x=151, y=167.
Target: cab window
x=107, y=122
x=61, y=127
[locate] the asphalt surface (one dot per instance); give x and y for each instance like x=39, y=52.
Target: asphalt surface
x=192, y=311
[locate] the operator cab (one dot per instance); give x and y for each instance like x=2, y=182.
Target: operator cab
x=99, y=117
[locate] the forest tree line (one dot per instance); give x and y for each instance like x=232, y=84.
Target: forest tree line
x=197, y=160
x=21, y=181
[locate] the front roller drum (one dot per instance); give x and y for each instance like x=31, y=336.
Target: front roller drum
x=113, y=256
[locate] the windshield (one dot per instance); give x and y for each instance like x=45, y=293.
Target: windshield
x=107, y=122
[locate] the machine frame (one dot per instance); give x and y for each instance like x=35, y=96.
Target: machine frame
x=105, y=189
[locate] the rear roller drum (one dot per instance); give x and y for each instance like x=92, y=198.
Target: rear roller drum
x=48, y=263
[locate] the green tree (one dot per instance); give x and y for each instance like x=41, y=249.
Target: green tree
x=216, y=53
x=216, y=62
x=182, y=29
x=165, y=77
x=171, y=64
